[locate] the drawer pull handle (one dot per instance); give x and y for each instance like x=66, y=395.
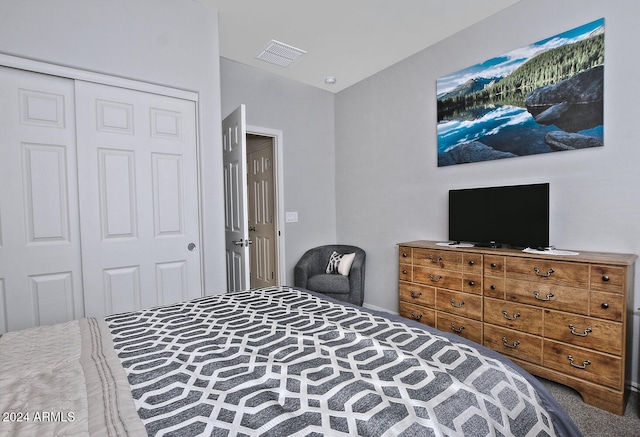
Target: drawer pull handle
x=605, y=278
x=506, y=315
x=512, y=346
x=494, y=265
x=434, y=278
x=404, y=272
x=454, y=329
x=453, y=303
x=604, y=305
x=404, y=254
x=586, y=331
x=543, y=275
x=471, y=283
x=583, y=366
x=416, y=295
x=537, y=295
x=493, y=287
x=435, y=260
x=416, y=317
x=471, y=263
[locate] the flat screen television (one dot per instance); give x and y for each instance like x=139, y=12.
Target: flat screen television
x=514, y=216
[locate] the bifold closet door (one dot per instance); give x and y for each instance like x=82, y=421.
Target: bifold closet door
x=40, y=268
x=138, y=190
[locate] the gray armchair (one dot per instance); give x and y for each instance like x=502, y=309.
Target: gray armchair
x=310, y=273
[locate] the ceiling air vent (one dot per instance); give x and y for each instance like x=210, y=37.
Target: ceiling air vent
x=280, y=54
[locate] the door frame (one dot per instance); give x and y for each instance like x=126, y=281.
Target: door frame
x=90, y=76
x=278, y=154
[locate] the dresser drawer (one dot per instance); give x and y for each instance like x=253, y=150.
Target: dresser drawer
x=405, y=272
x=513, y=315
x=434, y=258
x=607, y=278
x=467, y=328
x=472, y=263
x=418, y=294
x=584, y=364
x=494, y=265
x=494, y=287
x=514, y=343
x=418, y=313
x=548, y=271
x=587, y=332
x=548, y=296
x=608, y=306
x=404, y=254
x=438, y=277
x=472, y=283
x=461, y=304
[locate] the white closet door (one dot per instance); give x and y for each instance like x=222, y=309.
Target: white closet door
x=40, y=270
x=138, y=199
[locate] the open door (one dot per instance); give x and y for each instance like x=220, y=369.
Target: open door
x=261, y=196
x=234, y=157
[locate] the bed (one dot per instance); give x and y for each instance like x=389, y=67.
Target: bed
x=275, y=362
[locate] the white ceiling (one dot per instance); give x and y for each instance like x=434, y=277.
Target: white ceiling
x=348, y=39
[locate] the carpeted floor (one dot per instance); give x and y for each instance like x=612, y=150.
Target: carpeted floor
x=592, y=421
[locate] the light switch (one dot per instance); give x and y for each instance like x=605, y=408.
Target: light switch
x=291, y=217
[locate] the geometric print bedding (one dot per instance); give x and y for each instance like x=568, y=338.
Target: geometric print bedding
x=282, y=362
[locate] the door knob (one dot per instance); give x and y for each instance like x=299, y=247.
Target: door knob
x=191, y=247
x=242, y=242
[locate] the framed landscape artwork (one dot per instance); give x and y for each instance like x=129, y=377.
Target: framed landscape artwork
x=545, y=97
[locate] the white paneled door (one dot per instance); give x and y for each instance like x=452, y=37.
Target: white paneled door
x=261, y=214
x=40, y=269
x=234, y=156
x=138, y=190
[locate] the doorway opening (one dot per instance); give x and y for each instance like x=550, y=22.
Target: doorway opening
x=265, y=207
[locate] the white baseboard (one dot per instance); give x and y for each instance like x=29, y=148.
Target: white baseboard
x=375, y=308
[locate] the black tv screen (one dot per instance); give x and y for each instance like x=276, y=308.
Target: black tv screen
x=516, y=215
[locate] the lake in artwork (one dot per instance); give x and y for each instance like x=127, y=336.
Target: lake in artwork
x=542, y=98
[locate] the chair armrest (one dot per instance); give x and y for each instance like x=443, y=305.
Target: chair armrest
x=309, y=265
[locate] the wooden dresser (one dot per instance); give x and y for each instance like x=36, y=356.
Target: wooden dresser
x=564, y=318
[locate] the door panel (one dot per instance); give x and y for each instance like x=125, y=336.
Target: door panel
x=139, y=209
x=117, y=194
x=121, y=287
x=235, y=199
x=167, y=194
x=171, y=278
x=45, y=194
x=40, y=269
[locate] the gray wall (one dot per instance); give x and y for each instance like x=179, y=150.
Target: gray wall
x=305, y=116
x=360, y=166
x=393, y=191
x=163, y=42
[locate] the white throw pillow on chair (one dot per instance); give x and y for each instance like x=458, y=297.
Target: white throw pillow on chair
x=340, y=263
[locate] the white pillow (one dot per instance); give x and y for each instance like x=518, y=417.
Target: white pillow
x=345, y=263
x=340, y=263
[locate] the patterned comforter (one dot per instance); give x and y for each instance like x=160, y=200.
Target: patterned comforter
x=284, y=362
